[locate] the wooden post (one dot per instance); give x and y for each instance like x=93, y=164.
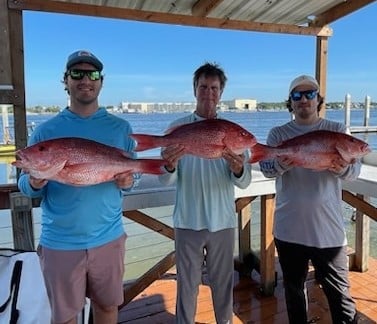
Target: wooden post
x=22, y=221
x=367, y=111
x=244, y=244
x=4, y=114
x=246, y=261
x=347, y=111
x=362, y=238
x=321, y=68
x=267, y=246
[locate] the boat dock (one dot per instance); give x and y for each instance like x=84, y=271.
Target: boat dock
x=156, y=303
x=258, y=294
x=365, y=128
x=362, y=129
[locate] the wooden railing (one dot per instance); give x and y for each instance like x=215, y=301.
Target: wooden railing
x=151, y=193
x=358, y=194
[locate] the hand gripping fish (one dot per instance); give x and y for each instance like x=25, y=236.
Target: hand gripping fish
x=206, y=138
x=79, y=162
x=314, y=150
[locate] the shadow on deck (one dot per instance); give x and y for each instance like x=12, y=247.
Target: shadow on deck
x=156, y=304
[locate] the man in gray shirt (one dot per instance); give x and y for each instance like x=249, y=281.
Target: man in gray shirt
x=308, y=217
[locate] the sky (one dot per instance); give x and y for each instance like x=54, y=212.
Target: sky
x=150, y=62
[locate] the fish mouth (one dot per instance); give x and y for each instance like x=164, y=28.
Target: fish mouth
x=366, y=148
x=21, y=156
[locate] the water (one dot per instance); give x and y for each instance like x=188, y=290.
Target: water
x=143, y=241
x=259, y=123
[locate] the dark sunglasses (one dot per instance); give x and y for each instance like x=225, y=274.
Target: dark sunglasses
x=309, y=94
x=79, y=74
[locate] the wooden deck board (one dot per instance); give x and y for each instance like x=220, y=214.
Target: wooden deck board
x=156, y=304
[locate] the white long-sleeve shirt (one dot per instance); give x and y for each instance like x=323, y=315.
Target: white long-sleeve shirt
x=308, y=203
x=205, y=190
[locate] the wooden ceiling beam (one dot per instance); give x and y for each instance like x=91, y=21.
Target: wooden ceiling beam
x=202, y=8
x=343, y=9
x=165, y=18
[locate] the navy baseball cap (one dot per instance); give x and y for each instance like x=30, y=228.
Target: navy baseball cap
x=84, y=57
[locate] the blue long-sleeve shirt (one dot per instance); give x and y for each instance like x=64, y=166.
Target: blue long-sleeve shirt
x=80, y=217
x=205, y=190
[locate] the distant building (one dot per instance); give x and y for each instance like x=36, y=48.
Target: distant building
x=136, y=107
x=149, y=107
x=240, y=104
x=166, y=107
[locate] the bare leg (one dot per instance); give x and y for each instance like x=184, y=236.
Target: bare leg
x=105, y=315
x=72, y=321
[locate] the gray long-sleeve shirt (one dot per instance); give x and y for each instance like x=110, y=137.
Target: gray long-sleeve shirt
x=308, y=203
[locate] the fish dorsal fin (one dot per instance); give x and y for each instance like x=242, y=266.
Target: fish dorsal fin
x=172, y=129
x=126, y=154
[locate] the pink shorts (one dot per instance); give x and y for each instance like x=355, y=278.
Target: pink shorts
x=70, y=276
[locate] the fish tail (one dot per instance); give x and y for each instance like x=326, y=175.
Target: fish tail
x=259, y=152
x=145, y=142
x=151, y=166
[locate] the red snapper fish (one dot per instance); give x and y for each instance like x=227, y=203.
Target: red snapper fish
x=207, y=138
x=314, y=150
x=80, y=162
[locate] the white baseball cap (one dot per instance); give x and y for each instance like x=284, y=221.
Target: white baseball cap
x=303, y=80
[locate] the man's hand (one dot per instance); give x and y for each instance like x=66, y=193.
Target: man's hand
x=124, y=180
x=37, y=183
x=339, y=165
x=285, y=162
x=171, y=155
x=235, y=161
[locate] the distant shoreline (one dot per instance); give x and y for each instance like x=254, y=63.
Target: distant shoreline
x=178, y=111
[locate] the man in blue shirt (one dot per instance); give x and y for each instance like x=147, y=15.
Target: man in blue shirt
x=204, y=214
x=82, y=243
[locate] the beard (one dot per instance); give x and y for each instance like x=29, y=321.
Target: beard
x=304, y=112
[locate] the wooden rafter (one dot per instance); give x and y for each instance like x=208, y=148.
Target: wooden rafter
x=165, y=18
x=202, y=8
x=343, y=9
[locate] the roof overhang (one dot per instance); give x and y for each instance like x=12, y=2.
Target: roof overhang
x=300, y=17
